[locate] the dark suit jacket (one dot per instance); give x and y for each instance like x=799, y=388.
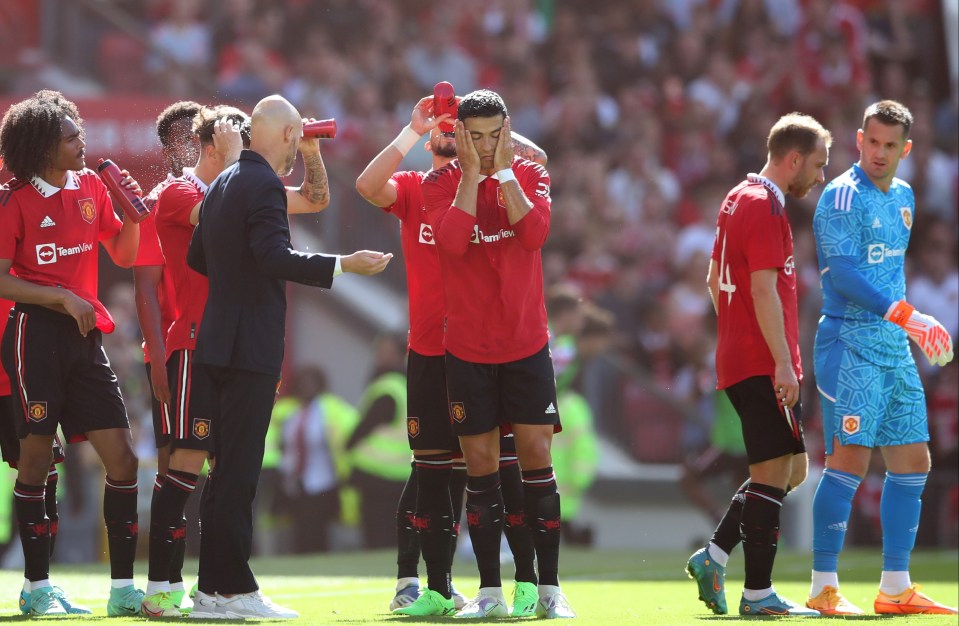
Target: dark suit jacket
x=242, y=244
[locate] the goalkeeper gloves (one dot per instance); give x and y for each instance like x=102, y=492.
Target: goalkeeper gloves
x=929, y=335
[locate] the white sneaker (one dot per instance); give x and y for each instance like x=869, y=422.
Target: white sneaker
x=407, y=591
x=459, y=600
x=553, y=604
x=253, y=604
x=489, y=602
x=204, y=607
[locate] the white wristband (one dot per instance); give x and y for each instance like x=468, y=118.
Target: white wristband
x=338, y=267
x=505, y=175
x=405, y=140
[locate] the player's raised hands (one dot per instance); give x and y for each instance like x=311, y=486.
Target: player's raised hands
x=365, y=262
x=465, y=150
x=130, y=183
x=227, y=140
x=422, y=119
x=503, y=156
x=309, y=145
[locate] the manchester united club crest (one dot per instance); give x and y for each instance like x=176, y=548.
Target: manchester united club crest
x=37, y=411
x=88, y=210
x=906, y=213
x=500, y=199
x=201, y=428
x=458, y=411
x=850, y=424
x=412, y=426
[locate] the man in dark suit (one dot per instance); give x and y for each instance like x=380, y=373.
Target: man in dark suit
x=242, y=244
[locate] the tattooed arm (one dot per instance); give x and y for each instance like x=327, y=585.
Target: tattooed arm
x=525, y=148
x=314, y=194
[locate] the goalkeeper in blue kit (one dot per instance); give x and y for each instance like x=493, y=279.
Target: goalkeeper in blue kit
x=867, y=379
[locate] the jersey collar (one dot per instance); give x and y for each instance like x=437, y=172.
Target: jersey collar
x=768, y=184
x=189, y=174
x=47, y=190
x=861, y=177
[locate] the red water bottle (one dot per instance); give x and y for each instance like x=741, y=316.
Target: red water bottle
x=324, y=129
x=131, y=203
x=444, y=101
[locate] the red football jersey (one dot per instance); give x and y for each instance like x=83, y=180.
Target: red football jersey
x=492, y=271
x=175, y=231
x=752, y=233
x=422, y=264
x=151, y=254
x=5, y=306
x=51, y=234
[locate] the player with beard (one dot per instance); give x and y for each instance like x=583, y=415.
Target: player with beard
x=242, y=244
x=752, y=284
x=429, y=508
x=177, y=212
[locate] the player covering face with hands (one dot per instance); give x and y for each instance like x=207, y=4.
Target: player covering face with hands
x=490, y=213
x=433, y=495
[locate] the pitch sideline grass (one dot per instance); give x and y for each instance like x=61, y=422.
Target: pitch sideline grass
x=608, y=588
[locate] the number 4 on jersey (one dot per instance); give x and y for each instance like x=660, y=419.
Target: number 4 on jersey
x=725, y=283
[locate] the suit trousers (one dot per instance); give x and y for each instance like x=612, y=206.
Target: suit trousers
x=242, y=403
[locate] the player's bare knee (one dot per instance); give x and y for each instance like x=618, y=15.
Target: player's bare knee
x=186, y=460
x=481, y=463
x=122, y=464
x=32, y=469
x=800, y=469
x=534, y=453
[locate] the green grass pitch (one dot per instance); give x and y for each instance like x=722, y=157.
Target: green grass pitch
x=606, y=588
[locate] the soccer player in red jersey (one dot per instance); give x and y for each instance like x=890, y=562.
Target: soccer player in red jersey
x=153, y=291
x=489, y=212
x=51, y=219
x=752, y=283
x=10, y=451
x=429, y=432
x=189, y=423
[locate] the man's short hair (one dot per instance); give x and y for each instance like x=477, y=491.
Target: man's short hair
x=207, y=117
x=183, y=110
x=796, y=131
x=890, y=113
x=481, y=103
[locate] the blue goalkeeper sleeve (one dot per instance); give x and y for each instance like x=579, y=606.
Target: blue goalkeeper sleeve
x=848, y=281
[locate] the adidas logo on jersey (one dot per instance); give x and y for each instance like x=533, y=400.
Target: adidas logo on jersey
x=876, y=223
x=840, y=526
x=550, y=410
x=47, y=222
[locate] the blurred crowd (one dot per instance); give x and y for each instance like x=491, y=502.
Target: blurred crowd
x=649, y=111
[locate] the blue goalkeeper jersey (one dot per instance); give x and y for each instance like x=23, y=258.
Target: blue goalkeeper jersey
x=867, y=232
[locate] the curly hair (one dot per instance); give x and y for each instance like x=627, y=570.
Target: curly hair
x=481, y=103
x=183, y=110
x=30, y=132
